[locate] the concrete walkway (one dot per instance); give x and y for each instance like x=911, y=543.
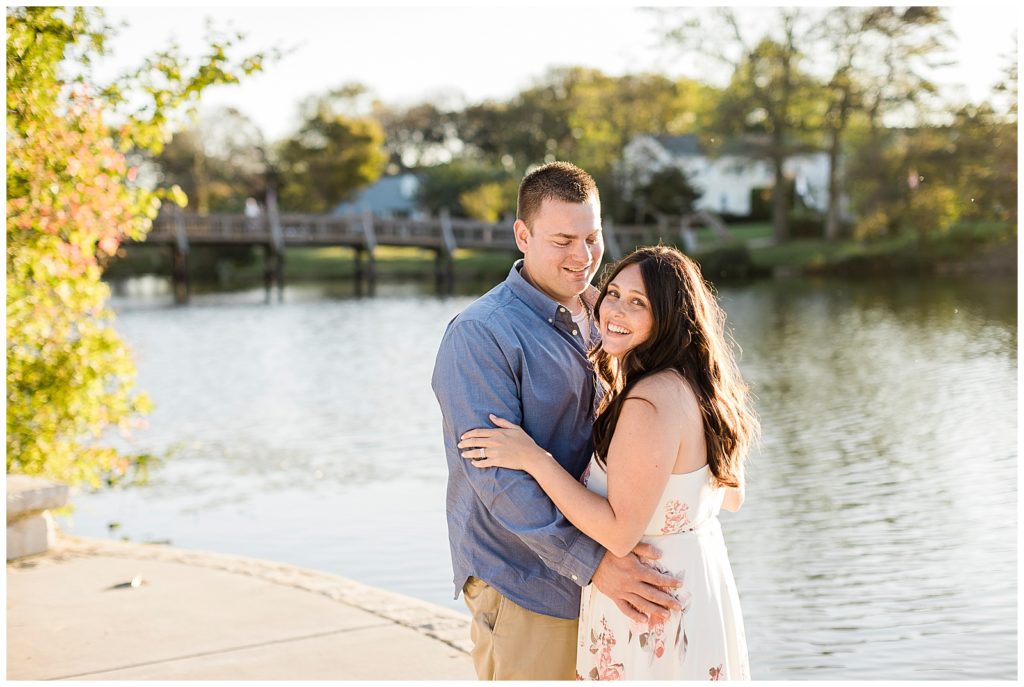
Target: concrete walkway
x=99, y=610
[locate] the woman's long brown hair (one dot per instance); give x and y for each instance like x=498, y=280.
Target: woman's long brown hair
x=688, y=336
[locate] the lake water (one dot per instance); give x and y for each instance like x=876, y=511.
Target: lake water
x=878, y=540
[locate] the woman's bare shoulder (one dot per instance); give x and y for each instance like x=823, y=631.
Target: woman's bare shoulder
x=668, y=391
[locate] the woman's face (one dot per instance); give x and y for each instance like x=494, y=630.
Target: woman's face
x=626, y=318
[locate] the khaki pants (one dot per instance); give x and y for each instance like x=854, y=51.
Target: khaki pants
x=512, y=643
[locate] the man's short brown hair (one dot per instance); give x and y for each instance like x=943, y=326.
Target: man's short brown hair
x=555, y=181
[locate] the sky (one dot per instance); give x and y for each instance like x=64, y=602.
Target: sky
x=408, y=54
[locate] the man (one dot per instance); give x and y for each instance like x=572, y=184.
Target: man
x=520, y=352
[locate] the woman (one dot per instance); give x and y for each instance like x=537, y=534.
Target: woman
x=670, y=439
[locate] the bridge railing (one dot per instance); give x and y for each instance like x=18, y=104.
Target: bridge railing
x=298, y=229
x=319, y=227
x=216, y=226
x=473, y=234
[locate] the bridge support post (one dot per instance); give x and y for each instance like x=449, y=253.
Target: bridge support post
x=369, y=270
x=279, y=273
x=179, y=259
x=179, y=275
x=366, y=272
x=273, y=259
x=273, y=271
x=444, y=262
x=358, y=258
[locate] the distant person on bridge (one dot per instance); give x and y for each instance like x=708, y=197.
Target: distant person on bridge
x=520, y=351
x=252, y=215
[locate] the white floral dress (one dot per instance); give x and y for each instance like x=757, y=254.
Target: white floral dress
x=705, y=641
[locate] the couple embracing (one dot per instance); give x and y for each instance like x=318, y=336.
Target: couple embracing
x=592, y=439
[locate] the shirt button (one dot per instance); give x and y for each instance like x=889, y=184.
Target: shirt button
x=561, y=310
x=575, y=332
x=550, y=320
x=574, y=578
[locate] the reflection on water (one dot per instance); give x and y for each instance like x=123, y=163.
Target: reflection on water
x=881, y=522
x=879, y=535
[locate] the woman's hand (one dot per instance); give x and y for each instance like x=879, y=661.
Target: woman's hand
x=504, y=446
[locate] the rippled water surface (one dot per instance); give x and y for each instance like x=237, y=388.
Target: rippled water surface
x=878, y=540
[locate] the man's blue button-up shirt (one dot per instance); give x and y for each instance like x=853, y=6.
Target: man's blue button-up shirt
x=512, y=352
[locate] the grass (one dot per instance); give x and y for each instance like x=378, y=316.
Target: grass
x=902, y=252
x=749, y=252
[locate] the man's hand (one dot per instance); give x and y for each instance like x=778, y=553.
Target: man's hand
x=640, y=591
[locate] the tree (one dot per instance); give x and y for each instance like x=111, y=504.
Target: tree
x=876, y=55
x=491, y=201
x=583, y=115
x=770, y=93
x=417, y=136
x=218, y=161
x=844, y=32
x=532, y=128
x=72, y=197
x=983, y=163
x=331, y=156
x=904, y=180
x=445, y=187
x=667, y=192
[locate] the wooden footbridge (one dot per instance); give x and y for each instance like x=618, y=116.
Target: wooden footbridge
x=443, y=234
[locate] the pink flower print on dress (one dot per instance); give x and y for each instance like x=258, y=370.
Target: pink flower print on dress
x=654, y=640
x=602, y=646
x=676, y=517
x=715, y=672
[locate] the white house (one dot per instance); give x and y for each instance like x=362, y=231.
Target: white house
x=724, y=182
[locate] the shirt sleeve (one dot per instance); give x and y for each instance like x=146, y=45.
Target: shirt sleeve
x=473, y=376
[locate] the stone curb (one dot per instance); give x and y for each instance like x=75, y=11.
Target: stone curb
x=29, y=495
x=443, y=624
x=30, y=527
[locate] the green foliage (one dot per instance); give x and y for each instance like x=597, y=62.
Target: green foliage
x=71, y=200
x=219, y=161
x=417, y=136
x=932, y=209
x=582, y=115
x=490, y=201
x=772, y=105
x=443, y=186
x=69, y=377
x=923, y=180
x=571, y=113
x=668, y=192
x=800, y=80
x=330, y=156
x=728, y=262
x=985, y=163
x=607, y=112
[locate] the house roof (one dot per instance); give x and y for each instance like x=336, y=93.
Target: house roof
x=746, y=145
x=686, y=144
x=387, y=194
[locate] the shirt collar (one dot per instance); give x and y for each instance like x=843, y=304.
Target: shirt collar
x=539, y=302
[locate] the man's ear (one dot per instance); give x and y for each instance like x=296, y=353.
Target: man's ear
x=522, y=233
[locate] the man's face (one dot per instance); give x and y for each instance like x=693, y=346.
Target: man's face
x=563, y=252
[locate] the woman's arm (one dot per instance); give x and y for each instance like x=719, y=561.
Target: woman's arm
x=734, y=495
x=641, y=457
x=733, y=498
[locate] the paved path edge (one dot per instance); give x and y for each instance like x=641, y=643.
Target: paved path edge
x=440, y=623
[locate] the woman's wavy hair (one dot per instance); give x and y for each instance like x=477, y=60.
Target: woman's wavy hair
x=687, y=335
